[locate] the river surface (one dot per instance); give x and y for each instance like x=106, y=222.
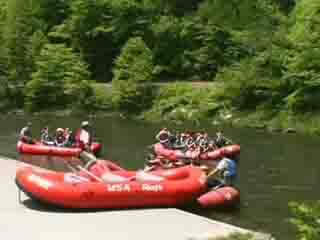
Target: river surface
x=274, y=168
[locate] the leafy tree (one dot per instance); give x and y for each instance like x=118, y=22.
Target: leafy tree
x=302, y=78
x=100, y=28
x=192, y=47
x=36, y=42
x=132, y=75
x=183, y=102
x=16, y=40
x=175, y=7
x=50, y=13
x=3, y=54
x=61, y=79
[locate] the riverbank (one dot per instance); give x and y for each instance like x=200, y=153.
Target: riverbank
x=193, y=102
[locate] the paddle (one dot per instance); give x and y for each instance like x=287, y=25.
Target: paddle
x=90, y=174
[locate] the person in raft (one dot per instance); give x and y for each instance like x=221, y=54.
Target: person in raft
x=83, y=140
x=45, y=138
x=224, y=174
x=25, y=134
x=60, y=140
x=163, y=136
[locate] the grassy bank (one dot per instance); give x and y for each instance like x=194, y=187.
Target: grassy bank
x=195, y=103
x=182, y=102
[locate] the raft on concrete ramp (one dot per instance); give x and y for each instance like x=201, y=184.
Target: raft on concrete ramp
x=30, y=221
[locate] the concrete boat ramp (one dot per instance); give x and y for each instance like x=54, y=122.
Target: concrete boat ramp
x=30, y=221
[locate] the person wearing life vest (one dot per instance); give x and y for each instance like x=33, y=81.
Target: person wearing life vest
x=60, y=139
x=221, y=140
x=164, y=137
x=25, y=134
x=224, y=174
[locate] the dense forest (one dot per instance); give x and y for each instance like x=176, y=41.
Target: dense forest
x=262, y=57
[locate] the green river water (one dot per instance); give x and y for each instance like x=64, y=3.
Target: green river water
x=274, y=168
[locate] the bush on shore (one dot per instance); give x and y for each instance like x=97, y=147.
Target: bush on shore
x=61, y=80
x=306, y=217
x=131, y=90
x=183, y=102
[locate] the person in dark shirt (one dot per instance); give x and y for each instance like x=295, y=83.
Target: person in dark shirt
x=25, y=134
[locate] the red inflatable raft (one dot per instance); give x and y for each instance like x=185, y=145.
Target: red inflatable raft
x=221, y=197
x=41, y=149
x=118, y=189
x=174, y=155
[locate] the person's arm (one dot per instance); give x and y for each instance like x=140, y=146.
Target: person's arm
x=158, y=136
x=220, y=167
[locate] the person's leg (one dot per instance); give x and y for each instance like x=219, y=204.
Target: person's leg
x=213, y=183
x=87, y=158
x=228, y=178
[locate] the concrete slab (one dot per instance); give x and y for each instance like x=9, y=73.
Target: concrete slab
x=32, y=221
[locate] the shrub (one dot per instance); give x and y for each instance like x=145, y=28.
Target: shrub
x=255, y=80
x=302, y=78
x=60, y=80
x=306, y=217
x=131, y=89
x=183, y=102
x=102, y=98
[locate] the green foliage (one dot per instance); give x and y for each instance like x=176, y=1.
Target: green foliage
x=192, y=48
x=100, y=28
x=302, y=78
x=183, y=102
x=261, y=57
x=50, y=13
x=61, y=79
x=132, y=75
x=102, y=98
x=253, y=81
x=174, y=7
x=36, y=42
x=4, y=85
x=16, y=39
x=306, y=217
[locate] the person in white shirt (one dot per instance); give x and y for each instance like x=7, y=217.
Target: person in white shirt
x=83, y=140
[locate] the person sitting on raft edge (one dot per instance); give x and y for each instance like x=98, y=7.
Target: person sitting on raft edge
x=83, y=140
x=25, y=134
x=224, y=174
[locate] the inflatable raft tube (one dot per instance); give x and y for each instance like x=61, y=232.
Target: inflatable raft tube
x=221, y=197
x=175, y=155
x=41, y=149
x=71, y=190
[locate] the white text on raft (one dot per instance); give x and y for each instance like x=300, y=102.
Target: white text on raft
x=126, y=188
